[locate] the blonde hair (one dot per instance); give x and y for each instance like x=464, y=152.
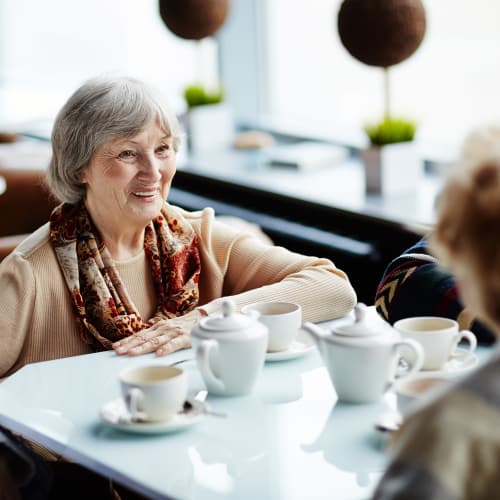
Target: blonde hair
x=467, y=233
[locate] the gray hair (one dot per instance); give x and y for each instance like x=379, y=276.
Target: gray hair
x=100, y=110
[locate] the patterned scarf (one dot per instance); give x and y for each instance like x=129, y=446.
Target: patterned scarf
x=101, y=303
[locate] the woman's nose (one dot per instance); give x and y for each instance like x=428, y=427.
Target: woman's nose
x=150, y=167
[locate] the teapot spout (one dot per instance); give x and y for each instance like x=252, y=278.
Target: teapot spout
x=315, y=331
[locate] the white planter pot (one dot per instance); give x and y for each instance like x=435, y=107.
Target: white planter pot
x=392, y=169
x=209, y=127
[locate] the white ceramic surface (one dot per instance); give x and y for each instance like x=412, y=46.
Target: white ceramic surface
x=362, y=358
x=283, y=320
x=301, y=346
x=230, y=351
x=459, y=363
x=115, y=414
x=153, y=392
x=437, y=336
x=414, y=391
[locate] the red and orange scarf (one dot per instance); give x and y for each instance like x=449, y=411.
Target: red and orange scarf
x=101, y=303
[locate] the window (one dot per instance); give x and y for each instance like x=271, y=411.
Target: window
x=449, y=85
x=47, y=49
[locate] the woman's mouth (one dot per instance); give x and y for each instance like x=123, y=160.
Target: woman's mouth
x=146, y=194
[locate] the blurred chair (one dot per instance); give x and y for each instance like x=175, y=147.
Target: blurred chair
x=25, y=205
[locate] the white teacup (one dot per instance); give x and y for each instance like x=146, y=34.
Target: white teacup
x=438, y=337
x=154, y=392
x=283, y=320
x=413, y=391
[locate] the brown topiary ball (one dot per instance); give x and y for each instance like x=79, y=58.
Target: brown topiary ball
x=193, y=19
x=381, y=32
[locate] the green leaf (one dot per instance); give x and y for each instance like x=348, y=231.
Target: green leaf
x=197, y=95
x=390, y=131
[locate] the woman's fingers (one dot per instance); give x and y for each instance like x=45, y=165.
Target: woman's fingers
x=163, y=340
x=163, y=337
x=182, y=341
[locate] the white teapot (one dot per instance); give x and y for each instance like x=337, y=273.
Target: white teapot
x=230, y=350
x=362, y=361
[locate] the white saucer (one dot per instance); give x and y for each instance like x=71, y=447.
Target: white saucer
x=115, y=414
x=460, y=362
x=299, y=347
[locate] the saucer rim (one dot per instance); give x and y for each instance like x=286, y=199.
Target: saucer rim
x=175, y=424
x=293, y=351
x=465, y=366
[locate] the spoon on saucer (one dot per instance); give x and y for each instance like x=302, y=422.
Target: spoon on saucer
x=389, y=422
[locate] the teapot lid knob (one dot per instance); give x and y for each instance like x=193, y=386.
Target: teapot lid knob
x=228, y=308
x=360, y=311
x=229, y=320
x=361, y=327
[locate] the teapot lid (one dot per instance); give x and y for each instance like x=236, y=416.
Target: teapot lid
x=360, y=328
x=229, y=320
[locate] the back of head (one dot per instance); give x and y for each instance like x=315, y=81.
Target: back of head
x=467, y=236
x=102, y=109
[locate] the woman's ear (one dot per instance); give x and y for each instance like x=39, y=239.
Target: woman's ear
x=83, y=177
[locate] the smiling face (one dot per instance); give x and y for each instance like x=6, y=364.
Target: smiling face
x=128, y=179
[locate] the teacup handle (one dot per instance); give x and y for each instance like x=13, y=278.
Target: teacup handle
x=134, y=403
x=203, y=351
x=414, y=365
x=470, y=337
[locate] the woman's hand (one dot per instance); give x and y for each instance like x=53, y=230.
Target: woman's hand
x=164, y=337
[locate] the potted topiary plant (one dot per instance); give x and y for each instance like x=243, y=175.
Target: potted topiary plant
x=208, y=120
x=383, y=33
x=391, y=162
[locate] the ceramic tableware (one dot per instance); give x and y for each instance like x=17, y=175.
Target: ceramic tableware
x=283, y=320
x=362, y=359
x=115, y=414
x=301, y=346
x=438, y=337
x=230, y=350
x=153, y=392
x=412, y=391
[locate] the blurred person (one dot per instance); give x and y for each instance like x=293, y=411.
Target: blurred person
x=449, y=448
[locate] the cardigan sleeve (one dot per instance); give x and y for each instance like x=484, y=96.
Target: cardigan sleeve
x=17, y=285
x=251, y=271
x=414, y=284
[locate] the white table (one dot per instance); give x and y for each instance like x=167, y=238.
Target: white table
x=290, y=439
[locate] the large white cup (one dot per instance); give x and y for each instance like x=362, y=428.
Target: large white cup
x=283, y=320
x=154, y=392
x=438, y=337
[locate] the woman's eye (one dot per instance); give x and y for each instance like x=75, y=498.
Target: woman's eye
x=163, y=150
x=127, y=154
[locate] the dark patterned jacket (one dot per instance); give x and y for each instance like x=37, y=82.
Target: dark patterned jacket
x=415, y=285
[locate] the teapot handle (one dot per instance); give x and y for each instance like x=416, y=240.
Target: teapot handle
x=415, y=364
x=203, y=351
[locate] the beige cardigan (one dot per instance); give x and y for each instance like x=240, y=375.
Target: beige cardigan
x=36, y=319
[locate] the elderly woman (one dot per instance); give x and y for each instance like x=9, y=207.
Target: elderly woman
x=118, y=267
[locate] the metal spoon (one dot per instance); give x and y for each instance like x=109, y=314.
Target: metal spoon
x=389, y=422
